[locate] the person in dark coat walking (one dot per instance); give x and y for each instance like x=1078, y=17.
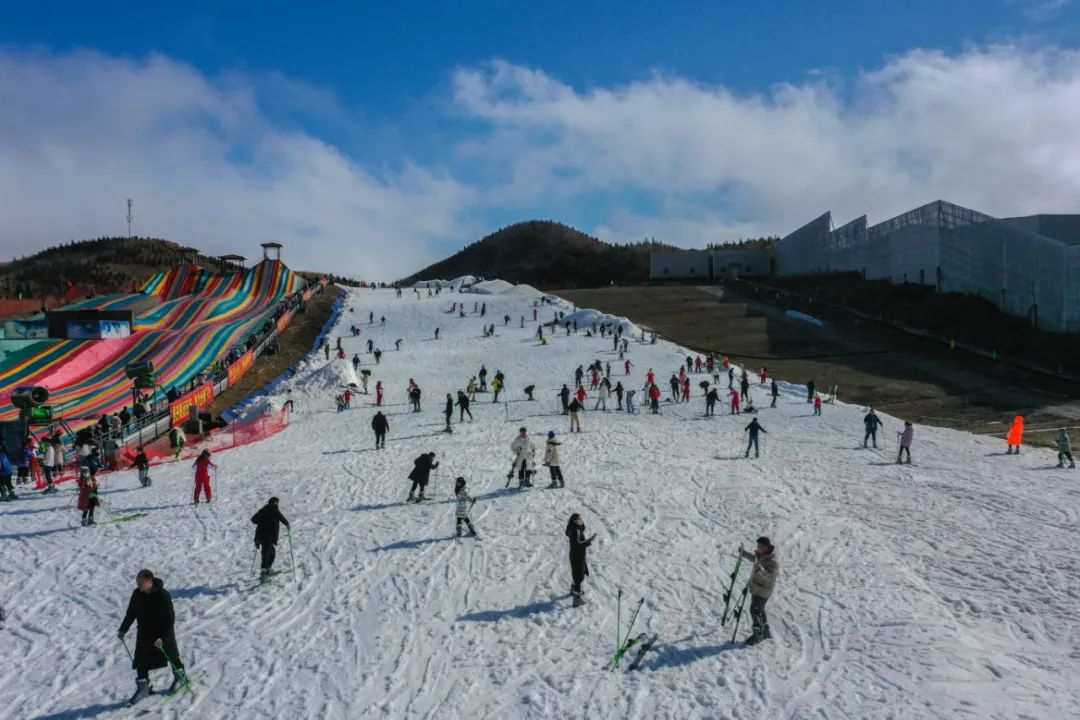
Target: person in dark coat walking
x=463, y=406
x=774, y=391
x=381, y=426
x=579, y=544
x=267, y=525
x=449, y=411
x=155, y=641
x=753, y=428
x=744, y=388
x=810, y=388
x=421, y=472
x=710, y=401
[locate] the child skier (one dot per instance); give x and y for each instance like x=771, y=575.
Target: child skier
x=7, y=492
x=553, y=460
x=202, y=475
x=378, y=393
x=88, y=497
x=142, y=464
x=1016, y=435
x=579, y=545
x=464, y=503
x=817, y=403
x=905, y=442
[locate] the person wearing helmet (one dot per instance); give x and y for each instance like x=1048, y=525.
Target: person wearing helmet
x=88, y=497
x=464, y=503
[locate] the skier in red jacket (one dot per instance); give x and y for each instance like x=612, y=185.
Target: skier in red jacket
x=202, y=475
x=650, y=377
x=654, y=397
x=581, y=394
x=734, y=402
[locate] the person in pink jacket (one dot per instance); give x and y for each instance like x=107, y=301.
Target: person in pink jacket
x=202, y=475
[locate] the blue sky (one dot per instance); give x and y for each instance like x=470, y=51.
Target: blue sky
x=425, y=125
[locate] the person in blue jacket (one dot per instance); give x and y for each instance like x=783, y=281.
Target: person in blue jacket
x=7, y=492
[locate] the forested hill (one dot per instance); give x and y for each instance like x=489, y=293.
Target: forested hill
x=545, y=253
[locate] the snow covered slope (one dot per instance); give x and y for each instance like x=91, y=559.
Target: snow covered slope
x=945, y=589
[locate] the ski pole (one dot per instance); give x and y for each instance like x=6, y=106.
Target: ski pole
x=618, y=620
x=177, y=672
x=124, y=643
x=254, y=554
x=292, y=558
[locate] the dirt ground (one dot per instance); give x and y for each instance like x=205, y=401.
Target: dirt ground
x=294, y=344
x=872, y=365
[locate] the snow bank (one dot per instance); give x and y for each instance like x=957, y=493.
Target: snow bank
x=524, y=290
x=462, y=282
x=492, y=287
x=587, y=317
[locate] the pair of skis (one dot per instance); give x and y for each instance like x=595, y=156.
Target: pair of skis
x=623, y=643
x=734, y=611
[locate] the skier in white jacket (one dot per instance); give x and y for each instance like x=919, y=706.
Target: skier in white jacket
x=464, y=505
x=553, y=459
x=524, y=457
x=601, y=397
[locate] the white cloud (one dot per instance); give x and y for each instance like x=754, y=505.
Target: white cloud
x=996, y=129
x=80, y=133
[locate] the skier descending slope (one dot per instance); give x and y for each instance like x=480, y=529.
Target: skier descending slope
x=762, y=582
x=906, y=438
x=579, y=566
x=381, y=426
x=155, y=641
x=1015, y=437
x=872, y=422
x=753, y=428
x=268, y=522
x=421, y=472
x=464, y=503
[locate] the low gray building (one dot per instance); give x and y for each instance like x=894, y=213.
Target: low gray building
x=678, y=264
x=734, y=264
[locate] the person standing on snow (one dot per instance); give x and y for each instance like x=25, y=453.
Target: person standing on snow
x=1015, y=437
x=817, y=404
x=601, y=397
x=553, y=460
x=810, y=387
x=524, y=457
x=762, y=583
x=88, y=495
x=202, y=475
x=710, y=402
x=449, y=411
x=744, y=387
x=268, y=521
x=155, y=640
x=774, y=391
x=142, y=465
x=627, y=367
x=1064, y=449
x=619, y=395
x=381, y=426
x=579, y=375
x=483, y=378
x=686, y=390
x=378, y=393
x=579, y=565
x=630, y=400
x=420, y=474
x=575, y=409
x=463, y=407
x=7, y=492
x=654, y=399
x=753, y=428
x=564, y=397
x=674, y=383
x=871, y=422
x=905, y=443
x=463, y=504
x=734, y=401
x=650, y=377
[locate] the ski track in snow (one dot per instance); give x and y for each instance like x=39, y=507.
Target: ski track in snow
x=945, y=589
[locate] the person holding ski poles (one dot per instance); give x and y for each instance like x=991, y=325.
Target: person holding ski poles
x=753, y=428
x=421, y=472
x=463, y=407
x=155, y=640
x=774, y=391
x=464, y=503
x=564, y=397
x=871, y=422
x=524, y=457
x=7, y=492
x=268, y=521
x=449, y=411
x=202, y=475
x=88, y=497
x=762, y=583
x=579, y=566
x=142, y=465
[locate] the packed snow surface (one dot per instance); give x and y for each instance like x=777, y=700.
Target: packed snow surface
x=586, y=318
x=491, y=287
x=949, y=588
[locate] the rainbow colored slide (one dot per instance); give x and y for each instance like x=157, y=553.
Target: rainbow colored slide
x=201, y=316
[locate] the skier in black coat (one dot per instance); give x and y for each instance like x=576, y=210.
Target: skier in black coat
x=155, y=641
x=267, y=525
x=564, y=396
x=579, y=566
x=753, y=428
x=810, y=387
x=381, y=426
x=744, y=388
x=774, y=391
x=871, y=422
x=463, y=406
x=449, y=411
x=421, y=472
x=710, y=401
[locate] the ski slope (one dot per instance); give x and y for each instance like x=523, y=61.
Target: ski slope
x=945, y=589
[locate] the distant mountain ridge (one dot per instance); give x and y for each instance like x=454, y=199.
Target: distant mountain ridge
x=546, y=253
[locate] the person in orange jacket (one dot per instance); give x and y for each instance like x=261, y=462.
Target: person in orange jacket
x=581, y=394
x=1015, y=437
x=202, y=475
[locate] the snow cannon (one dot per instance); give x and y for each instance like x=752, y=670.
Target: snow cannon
x=138, y=369
x=29, y=396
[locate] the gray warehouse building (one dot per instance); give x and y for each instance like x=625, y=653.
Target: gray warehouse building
x=708, y=264
x=1028, y=266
